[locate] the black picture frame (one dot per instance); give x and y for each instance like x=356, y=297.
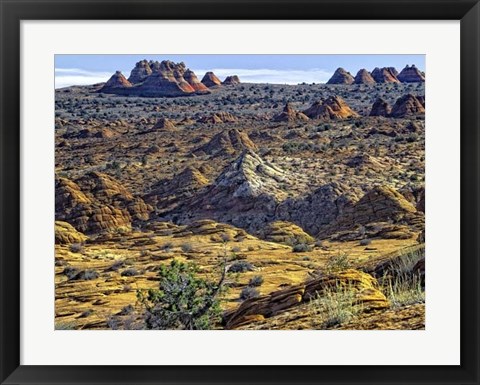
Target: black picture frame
x=12, y=12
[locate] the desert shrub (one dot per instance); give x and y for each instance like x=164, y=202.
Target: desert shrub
x=126, y=310
x=183, y=300
x=77, y=248
x=338, y=262
x=187, y=247
x=240, y=266
x=70, y=272
x=249, y=292
x=319, y=243
x=130, y=272
x=256, y=281
x=225, y=237
x=116, y=266
x=401, y=283
x=250, y=248
x=405, y=290
x=236, y=249
x=167, y=246
x=301, y=248
x=335, y=306
x=89, y=274
x=365, y=242
x=74, y=274
x=405, y=262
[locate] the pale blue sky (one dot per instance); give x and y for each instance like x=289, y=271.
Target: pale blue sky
x=290, y=69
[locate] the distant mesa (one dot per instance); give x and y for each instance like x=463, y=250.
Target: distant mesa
x=380, y=108
x=156, y=79
x=289, y=114
x=407, y=105
x=211, y=80
x=341, y=76
x=411, y=74
x=385, y=75
x=228, y=142
x=169, y=79
x=140, y=72
x=231, y=80
x=334, y=107
x=364, y=77
x=196, y=84
x=115, y=83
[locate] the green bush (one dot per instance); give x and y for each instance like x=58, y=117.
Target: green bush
x=183, y=300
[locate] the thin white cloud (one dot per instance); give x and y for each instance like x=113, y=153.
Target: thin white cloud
x=65, y=77
x=314, y=75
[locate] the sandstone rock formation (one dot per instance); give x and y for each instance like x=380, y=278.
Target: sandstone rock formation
x=341, y=76
x=245, y=195
x=156, y=79
x=365, y=161
x=385, y=75
x=192, y=79
x=380, y=205
x=364, y=285
x=407, y=105
x=167, y=194
x=228, y=142
x=115, y=83
x=285, y=232
x=314, y=211
x=164, y=124
x=411, y=74
x=380, y=108
x=334, y=107
x=231, y=80
x=96, y=203
x=364, y=77
x=211, y=80
x=66, y=234
x=415, y=195
x=168, y=80
x=140, y=72
x=289, y=114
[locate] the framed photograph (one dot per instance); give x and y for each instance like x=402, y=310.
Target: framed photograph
x=239, y=193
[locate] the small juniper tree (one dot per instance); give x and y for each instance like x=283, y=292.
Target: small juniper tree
x=183, y=300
